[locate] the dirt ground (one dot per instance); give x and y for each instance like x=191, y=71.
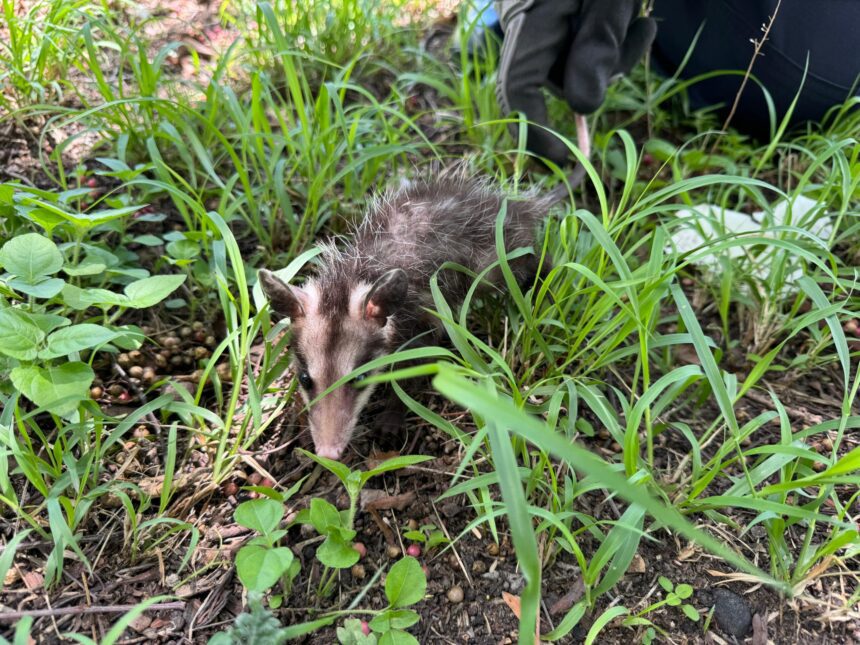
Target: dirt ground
x=482, y=565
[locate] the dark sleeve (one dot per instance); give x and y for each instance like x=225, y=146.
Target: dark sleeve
x=827, y=31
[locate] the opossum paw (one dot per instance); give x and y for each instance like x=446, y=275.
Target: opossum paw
x=391, y=421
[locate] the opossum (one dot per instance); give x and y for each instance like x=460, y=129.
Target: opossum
x=368, y=297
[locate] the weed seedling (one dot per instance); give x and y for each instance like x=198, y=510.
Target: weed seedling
x=261, y=563
x=336, y=551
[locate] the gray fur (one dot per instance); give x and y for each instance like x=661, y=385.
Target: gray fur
x=415, y=228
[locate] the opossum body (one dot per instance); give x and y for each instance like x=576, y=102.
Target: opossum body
x=367, y=297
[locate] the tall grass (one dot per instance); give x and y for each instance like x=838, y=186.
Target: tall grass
x=624, y=341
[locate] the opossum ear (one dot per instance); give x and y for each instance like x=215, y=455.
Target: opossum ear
x=285, y=300
x=385, y=296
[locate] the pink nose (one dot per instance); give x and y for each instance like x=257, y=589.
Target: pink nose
x=329, y=452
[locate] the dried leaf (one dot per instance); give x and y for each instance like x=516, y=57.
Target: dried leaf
x=513, y=602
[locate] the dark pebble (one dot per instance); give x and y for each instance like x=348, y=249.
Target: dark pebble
x=732, y=613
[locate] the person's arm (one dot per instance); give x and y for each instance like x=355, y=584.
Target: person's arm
x=572, y=47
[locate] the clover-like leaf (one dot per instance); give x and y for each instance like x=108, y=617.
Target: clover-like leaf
x=261, y=515
x=260, y=567
x=690, y=612
x=406, y=583
x=336, y=553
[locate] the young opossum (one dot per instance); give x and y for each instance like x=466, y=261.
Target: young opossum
x=367, y=297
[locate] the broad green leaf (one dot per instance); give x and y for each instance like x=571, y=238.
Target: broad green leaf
x=21, y=338
x=152, y=290
x=75, y=338
x=41, y=288
x=259, y=567
x=261, y=515
x=46, y=322
x=81, y=299
x=394, y=619
x=405, y=584
x=684, y=591
x=58, y=389
x=337, y=553
x=31, y=256
x=88, y=266
x=398, y=637
x=690, y=612
x=323, y=515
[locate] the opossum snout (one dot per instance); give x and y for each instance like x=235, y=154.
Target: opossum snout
x=330, y=452
x=333, y=420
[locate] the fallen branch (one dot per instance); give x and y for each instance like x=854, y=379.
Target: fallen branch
x=84, y=609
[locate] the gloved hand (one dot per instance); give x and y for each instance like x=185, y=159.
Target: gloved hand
x=574, y=48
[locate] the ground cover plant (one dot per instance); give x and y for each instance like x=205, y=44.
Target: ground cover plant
x=656, y=442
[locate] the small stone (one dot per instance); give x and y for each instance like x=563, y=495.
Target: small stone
x=358, y=571
x=170, y=341
x=230, y=488
x=148, y=375
x=479, y=567
x=412, y=524
x=455, y=594
x=123, y=360
x=493, y=549
x=637, y=565
x=393, y=551
x=96, y=392
x=185, y=332
x=135, y=371
x=135, y=356
x=254, y=478
x=141, y=623
x=197, y=325
x=732, y=613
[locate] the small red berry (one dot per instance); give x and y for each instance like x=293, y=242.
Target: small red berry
x=365, y=628
x=414, y=550
x=92, y=183
x=125, y=396
x=362, y=550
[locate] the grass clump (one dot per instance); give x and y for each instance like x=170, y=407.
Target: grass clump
x=642, y=392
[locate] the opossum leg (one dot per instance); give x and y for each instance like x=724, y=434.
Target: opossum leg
x=392, y=419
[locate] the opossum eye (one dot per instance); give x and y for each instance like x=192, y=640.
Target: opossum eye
x=305, y=380
x=359, y=379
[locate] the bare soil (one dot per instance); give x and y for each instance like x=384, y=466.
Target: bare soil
x=482, y=564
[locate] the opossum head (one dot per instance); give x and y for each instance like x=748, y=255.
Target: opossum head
x=337, y=325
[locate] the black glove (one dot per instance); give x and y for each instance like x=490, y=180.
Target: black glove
x=572, y=47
